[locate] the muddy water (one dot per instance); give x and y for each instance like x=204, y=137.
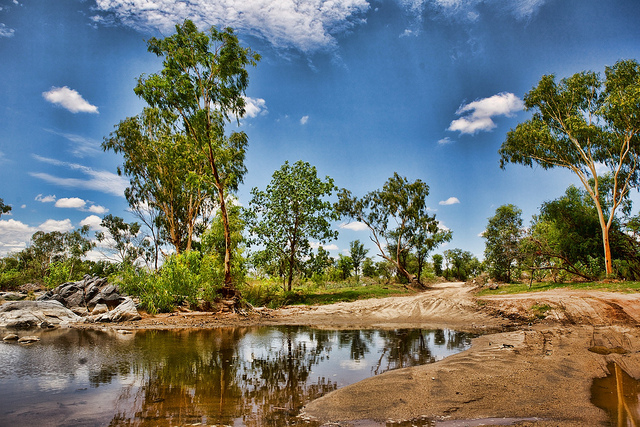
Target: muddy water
x=230, y=376
x=618, y=394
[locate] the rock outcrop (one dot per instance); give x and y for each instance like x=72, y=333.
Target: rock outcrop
x=33, y=314
x=95, y=299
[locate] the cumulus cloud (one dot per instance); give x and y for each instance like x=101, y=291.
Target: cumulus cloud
x=14, y=236
x=69, y=99
x=71, y=202
x=480, y=113
x=255, y=107
x=103, y=181
x=6, y=31
x=93, y=221
x=450, y=201
x=304, y=120
x=307, y=25
x=45, y=199
x=50, y=225
x=354, y=226
x=445, y=141
x=97, y=209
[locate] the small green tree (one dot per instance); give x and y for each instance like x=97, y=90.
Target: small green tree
x=123, y=241
x=357, y=253
x=463, y=263
x=292, y=210
x=437, y=264
x=503, y=234
x=345, y=265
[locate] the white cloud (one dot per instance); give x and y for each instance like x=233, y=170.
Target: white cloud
x=93, y=221
x=6, y=31
x=255, y=107
x=304, y=120
x=103, y=181
x=69, y=99
x=72, y=203
x=46, y=199
x=306, y=25
x=443, y=227
x=54, y=225
x=97, y=209
x=330, y=247
x=482, y=110
x=354, y=226
x=445, y=141
x=14, y=236
x=450, y=201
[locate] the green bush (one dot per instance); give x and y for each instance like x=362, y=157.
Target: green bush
x=59, y=273
x=10, y=279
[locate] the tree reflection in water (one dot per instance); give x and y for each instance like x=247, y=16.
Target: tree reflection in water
x=230, y=376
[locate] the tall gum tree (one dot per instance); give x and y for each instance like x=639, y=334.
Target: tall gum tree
x=584, y=123
x=394, y=215
x=203, y=82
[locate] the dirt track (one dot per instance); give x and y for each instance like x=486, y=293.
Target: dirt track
x=524, y=368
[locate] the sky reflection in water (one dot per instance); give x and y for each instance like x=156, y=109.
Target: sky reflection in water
x=234, y=376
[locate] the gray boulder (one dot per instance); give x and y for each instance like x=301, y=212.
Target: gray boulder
x=123, y=312
x=84, y=295
x=32, y=314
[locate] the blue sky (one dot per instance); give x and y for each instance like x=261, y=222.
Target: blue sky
x=358, y=88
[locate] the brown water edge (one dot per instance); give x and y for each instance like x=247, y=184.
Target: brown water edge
x=619, y=395
x=430, y=422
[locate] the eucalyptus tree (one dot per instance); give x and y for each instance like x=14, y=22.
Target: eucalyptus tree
x=357, y=253
x=399, y=202
x=123, y=241
x=203, y=83
x=293, y=209
x=427, y=236
x=585, y=123
x=503, y=234
x=162, y=164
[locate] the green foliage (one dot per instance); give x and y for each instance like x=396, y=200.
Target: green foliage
x=189, y=277
x=270, y=294
x=287, y=214
x=437, y=264
x=200, y=87
x=142, y=284
x=398, y=202
x=566, y=238
x=357, y=253
x=582, y=123
x=59, y=273
x=463, y=264
x=4, y=208
x=517, y=288
x=503, y=234
x=128, y=243
x=345, y=265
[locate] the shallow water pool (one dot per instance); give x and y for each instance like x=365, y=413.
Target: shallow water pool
x=254, y=376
